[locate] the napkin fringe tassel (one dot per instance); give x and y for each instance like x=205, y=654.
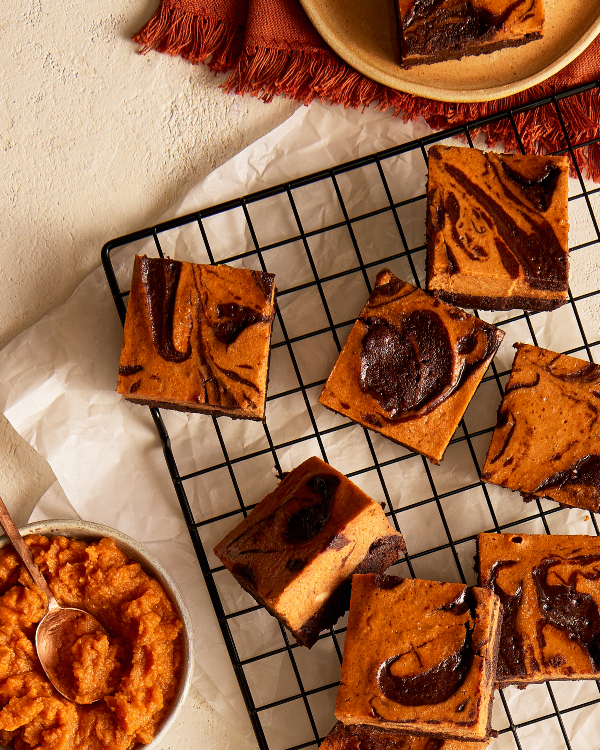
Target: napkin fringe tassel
x=304, y=75
x=315, y=74
x=194, y=37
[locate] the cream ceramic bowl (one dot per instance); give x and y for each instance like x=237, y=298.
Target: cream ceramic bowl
x=92, y=531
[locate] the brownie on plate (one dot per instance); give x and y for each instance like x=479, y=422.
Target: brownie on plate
x=410, y=366
x=296, y=551
x=549, y=587
x=546, y=442
x=420, y=657
x=497, y=229
x=436, y=30
x=197, y=338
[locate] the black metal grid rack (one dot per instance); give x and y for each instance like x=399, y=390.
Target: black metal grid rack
x=325, y=262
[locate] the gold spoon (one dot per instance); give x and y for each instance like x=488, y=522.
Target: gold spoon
x=56, y=623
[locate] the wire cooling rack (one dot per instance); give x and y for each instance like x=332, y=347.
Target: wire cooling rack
x=370, y=215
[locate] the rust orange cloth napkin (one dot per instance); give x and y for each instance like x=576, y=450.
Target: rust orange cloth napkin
x=270, y=48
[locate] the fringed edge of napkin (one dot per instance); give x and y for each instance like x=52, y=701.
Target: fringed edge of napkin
x=315, y=74
x=304, y=75
x=194, y=37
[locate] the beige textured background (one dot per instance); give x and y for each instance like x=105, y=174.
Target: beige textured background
x=97, y=141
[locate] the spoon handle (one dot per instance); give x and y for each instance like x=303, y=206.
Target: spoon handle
x=23, y=550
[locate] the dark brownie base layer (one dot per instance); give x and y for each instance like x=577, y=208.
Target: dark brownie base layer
x=365, y=737
x=195, y=409
x=499, y=303
x=444, y=54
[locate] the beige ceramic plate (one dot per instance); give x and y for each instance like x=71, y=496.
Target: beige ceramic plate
x=363, y=33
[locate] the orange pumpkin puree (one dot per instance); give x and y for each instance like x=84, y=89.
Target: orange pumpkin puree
x=138, y=665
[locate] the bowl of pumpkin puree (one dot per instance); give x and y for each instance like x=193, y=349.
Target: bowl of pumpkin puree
x=144, y=665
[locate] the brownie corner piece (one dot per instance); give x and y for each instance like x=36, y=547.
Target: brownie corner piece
x=497, y=229
x=197, y=338
x=298, y=548
x=545, y=443
x=549, y=586
x=434, y=31
x=410, y=366
x=429, y=669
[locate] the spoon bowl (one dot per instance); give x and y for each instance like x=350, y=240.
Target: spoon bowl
x=54, y=635
x=57, y=626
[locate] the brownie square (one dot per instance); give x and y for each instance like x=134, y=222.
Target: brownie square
x=549, y=587
x=363, y=737
x=297, y=549
x=497, y=229
x=197, y=338
x=546, y=443
x=410, y=366
x=420, y=657
x=436, y=30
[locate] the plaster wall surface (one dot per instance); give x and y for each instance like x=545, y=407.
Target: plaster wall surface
x=97, y=141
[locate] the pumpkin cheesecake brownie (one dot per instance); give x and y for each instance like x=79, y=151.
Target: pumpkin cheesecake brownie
x=297, y=550
x=410, y=366
x=497, y=229
x=420, y=657
x=546, y=441
x=437, y=30
x=197, y=338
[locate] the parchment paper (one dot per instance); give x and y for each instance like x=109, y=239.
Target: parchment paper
x=58, y=389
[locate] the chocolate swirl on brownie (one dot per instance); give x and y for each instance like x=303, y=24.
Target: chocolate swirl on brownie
x=585, y=470
x=440, y=682
x=435, y=685
x=233, y=319
x=407, y=368
x=309, y=521
x=562, y=605
x=161, y=280
x=532, y=241
x=410, y=370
